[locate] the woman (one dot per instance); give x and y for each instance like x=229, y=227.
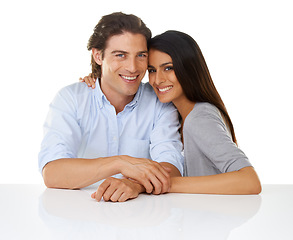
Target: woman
x=213, y=162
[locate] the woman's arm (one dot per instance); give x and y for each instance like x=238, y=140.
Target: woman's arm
x=215, y=165
x=244, y=181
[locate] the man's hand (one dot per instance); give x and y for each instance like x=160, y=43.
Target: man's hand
x=117, y=190
x=152, y=175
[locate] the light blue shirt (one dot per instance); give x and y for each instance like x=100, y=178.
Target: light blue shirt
x=82, y=123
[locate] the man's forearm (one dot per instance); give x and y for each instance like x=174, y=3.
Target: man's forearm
x=74, y=173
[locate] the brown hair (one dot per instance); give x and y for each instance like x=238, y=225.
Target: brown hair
x=191, y=70
x=110, y=25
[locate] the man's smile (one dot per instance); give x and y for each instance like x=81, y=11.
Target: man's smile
x=129, y=78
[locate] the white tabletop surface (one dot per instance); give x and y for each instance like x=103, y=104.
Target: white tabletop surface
x=35, y=212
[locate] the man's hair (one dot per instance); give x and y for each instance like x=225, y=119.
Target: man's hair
x=114, y=24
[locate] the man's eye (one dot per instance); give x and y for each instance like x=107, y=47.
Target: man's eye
x=120, y=55
x=142, y=55
x=150, y=70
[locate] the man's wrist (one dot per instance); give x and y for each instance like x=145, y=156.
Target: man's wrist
x=107, y=166
x=119, y=164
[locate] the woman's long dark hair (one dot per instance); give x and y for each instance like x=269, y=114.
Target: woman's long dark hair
x=191, y=70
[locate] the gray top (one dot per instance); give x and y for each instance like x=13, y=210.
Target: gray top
x=208, y=146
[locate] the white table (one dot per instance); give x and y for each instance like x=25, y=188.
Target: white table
x=35, y=212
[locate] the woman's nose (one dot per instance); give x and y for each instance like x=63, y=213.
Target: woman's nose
x=159, y=78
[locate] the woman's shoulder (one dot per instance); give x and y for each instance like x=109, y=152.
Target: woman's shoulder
x=203, y=117
x=204, y=110
x=204, y=122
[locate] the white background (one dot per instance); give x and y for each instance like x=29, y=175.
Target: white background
x=248, y=46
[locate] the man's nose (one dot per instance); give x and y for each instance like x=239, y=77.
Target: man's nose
x=131, y=65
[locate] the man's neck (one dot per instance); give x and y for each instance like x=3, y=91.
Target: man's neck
x=117, y=100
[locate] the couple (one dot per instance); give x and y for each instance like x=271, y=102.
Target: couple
x=119, y=124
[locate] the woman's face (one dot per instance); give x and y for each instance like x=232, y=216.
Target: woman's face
x=162, y=77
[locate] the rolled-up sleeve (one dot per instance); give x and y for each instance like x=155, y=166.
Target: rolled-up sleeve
x=62, y=132
x=166, y=145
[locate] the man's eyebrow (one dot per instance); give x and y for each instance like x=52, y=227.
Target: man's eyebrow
x=146, y=51
x=118, y=51
x=124, y=52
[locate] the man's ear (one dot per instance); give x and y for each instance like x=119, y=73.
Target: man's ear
x=97, y=55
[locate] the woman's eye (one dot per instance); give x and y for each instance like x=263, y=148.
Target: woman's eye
x=168, y=68
x=150, y=70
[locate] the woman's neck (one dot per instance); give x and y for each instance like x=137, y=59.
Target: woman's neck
x=184, y=107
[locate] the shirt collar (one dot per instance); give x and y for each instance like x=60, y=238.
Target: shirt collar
x=100, y=95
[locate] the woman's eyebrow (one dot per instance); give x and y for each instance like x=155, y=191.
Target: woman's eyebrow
x=164, y=64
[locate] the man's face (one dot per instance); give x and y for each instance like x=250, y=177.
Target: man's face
x=123, y=65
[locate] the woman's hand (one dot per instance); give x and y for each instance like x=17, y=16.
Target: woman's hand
x=152, y=175
x=117, y=190
x=89, y=80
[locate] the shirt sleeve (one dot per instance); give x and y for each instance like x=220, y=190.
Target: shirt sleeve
x=62, y=133
x=166, y=145
x=210, y=134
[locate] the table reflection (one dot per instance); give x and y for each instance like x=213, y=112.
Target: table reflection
x=73, y=214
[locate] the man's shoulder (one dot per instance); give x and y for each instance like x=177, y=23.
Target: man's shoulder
x=148, y=96
x=76, y=88
x=149, y=100
x=148, y=90
x=76, y=94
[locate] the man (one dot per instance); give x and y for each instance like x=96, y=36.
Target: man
x=93, y=134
